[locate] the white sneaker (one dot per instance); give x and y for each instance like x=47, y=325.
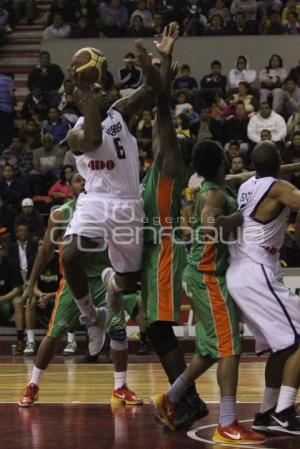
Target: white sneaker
x=29, y=349
x=70, y=348
x=114, y=299
x=96, y=330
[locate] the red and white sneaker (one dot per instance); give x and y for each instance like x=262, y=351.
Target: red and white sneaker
x=29, y=396
x=126, y=396
x=237, y=434
x=165, y=408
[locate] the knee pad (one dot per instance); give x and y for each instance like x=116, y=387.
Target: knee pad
x=162, y=337
x=118, y=340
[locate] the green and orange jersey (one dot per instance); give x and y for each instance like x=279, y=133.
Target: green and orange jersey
x=210, y=254
x=162, y=201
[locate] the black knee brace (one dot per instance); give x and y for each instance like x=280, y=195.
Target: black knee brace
x=162, y=337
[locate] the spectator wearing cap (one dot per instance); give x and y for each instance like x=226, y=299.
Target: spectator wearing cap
x=18, y=155
x=130, y=76
x=7, y=105
x=12, y=187
x=31, y=218
x=48, y=76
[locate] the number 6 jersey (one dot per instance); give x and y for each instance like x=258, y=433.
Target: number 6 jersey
x=113, y=168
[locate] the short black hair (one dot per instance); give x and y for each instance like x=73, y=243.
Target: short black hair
x=185, y=67
x=215, y=62
x=266, y=159
x=206, y=158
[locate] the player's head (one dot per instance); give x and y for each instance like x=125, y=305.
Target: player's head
x=208, y=160
x=266, y=159
x=77, y=184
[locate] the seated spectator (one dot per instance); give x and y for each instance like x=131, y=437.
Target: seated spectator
x=23, y=251
x=18, y=156
x=293, y=124
x=171, y=10
x=295, y=74
x=157, y=27
x=70, y=160
x=215, y=82
x=241, y=72
x=58, y=29
x=291, y=152
x=62, y=7
x=265, y=7
x=195, y=21
x=130, y=76
x=10, y=302
x=47, y=163
x=290, y=99
x=240, y=26
x=215, y=27
x=31, y=218
x=291, y=6
x=272, y=25
x=272, y=79
x=185, y=82
x=7, y=220
x=265, y=135
x=61, y=188
x=35, y=105
x=244, y=95
x=293, y=25
x=12, y=187
x=144, y=133
x=43, y=301
x=25, y=8
x=46, y=75
x=182, y=103
x=114, y=17
x=235, y=128
x=143, y=12
x=86, y=9
x=31, y=134
x=182, y=126
x=237, y=165
x=220, y=10
x=137, y=28
x=247, y=7
x=267, y=119
x=208, y=128
x=83, y=30
x=232, y=150
x=7, y=106
x=56, y=125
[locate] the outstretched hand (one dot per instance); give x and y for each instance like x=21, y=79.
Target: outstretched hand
x=165, y=47
x=143, y=58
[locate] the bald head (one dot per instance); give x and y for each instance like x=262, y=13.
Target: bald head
x=266, y=159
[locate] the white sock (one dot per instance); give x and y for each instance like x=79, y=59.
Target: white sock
x=270, y=399
x=287, y=398
x=227, y=410
x=120, y=379
x=30, y=335
x=36, y=375
x=86, y=307
x=71, y=337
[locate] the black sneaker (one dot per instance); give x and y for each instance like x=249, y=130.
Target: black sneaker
x=286, y=421
x=143, y=348
x=189, y=410
x=262, y=421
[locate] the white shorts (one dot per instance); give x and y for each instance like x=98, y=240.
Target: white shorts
x=114, y=223
x=270, y=310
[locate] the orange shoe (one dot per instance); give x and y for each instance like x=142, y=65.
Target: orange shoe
x=29, y=396
x=165, y=408
x=126, y=396
x=237, y=434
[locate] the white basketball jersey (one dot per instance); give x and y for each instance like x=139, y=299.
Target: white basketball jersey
x=113, y=168
x=258, y=241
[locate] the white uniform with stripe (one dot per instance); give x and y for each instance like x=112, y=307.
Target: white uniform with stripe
x=254, y=278
x=111, y=209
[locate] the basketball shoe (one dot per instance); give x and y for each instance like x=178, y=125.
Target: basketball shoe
x=166, y=409
x=29, y=396
x=286, y=421
x=189, y=409
x=262, y=421
x=96, y=330
x=126, y=396
x=235, y=433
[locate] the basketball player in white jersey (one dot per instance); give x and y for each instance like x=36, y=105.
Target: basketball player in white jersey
x=254, y=280
x=110, y=211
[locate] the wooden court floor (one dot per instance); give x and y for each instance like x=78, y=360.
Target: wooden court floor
x=74, y=410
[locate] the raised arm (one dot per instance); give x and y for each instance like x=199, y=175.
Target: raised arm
x=286, y=193
x=135, y=103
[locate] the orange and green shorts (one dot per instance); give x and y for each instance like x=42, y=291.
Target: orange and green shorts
x=215, y=314
x=162, y=291
x=65, y=315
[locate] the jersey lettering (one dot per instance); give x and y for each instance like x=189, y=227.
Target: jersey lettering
x=101, y=165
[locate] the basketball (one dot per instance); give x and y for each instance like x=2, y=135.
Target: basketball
x=91, y=63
